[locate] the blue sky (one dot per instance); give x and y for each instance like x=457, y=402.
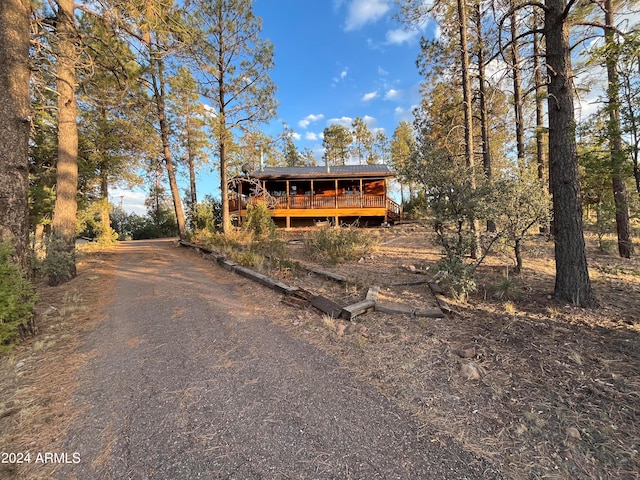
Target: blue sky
x=337, y=60
x=334, y=60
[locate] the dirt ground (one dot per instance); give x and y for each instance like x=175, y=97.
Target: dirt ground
x=539, y=388
x=543, y=389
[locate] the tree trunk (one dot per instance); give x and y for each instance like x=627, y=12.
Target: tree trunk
x=484, y=115
x=222, y=135
x=105, y=218
x=468, y=115
x=193, y=196
x=224, y=188
x=540, y=126
x=518, y=252
x=517, y=91
x=14, y=127
x=159, y=93
x=572, y=275
x=66, y=205
x=625, y=245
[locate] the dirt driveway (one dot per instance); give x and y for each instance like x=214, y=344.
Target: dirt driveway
x=189, y=378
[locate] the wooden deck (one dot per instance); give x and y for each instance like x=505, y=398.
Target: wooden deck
x=344, y=205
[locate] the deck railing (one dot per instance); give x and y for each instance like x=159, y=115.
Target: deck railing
x=322, y=201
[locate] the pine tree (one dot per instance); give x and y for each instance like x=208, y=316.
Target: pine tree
x=235, y=63
x=336, y=141
x=14, y=127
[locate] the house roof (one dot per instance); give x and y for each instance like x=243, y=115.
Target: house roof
x=337, y=171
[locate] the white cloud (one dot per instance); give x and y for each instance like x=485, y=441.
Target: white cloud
x=296, y=136
x=344, y=121
x=361, y=12
x=369, y=96
x=369, y=120
x=405, y=114
x=339, y=78
x=311, y=136
x=392, y=94
x=399, y=36
x=382, y=72
x=131, y=201
x=306, y=121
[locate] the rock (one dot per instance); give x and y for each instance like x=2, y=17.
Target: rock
x=340, y=329
x=351, y=328
x=51, y=311
x=470, y=371
x=574, y=433
x=364, y=331
x=566, y=454
x=467, y=352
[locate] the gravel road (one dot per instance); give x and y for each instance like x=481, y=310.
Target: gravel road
x=190, y=379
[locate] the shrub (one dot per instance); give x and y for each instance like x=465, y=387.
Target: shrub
x=460, y=276
x=258, y=221
x=506, y=288
x=60, y=262
x=338, y=244
x=17, y=299
x=205, y=215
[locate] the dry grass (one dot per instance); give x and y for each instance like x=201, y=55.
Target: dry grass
x=542, y=389
x=38, y=378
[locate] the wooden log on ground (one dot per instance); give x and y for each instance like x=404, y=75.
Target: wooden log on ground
x=372, y=293
x=264, y=280
x=293, y=301
x=227, y=264
x=436, y=288
x=443, y=304
x=326, y=306
x=336, y=277
x=352, y=311
x=182, y=243
x=394, y=308
x=419, y=281
x=304, y=294
x=429, y=313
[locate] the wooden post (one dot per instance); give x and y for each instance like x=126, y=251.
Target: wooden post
x=287, y=182
x=311, y=196
x=287, y=222
x=240, y=204
x=336, y=192
x=361, y=195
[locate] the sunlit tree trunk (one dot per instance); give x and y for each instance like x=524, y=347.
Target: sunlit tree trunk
x=66, y=206
x=468, y=113
x=625, y=245
x=517, y=90
x=14, y=127
x=484, y=114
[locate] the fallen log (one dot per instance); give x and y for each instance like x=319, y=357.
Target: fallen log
x=352, y=311
x=327, y=306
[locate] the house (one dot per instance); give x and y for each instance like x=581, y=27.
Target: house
x=301, y=196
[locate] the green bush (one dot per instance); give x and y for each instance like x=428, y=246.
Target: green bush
x=258, y=221
x=338, y=244
x=60, y=263
x=17, y=298
x=460, y=276
x=205, y=215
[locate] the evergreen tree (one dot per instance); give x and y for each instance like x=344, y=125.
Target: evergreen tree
x=336, y=141
x=14, y=128
x=235, y=63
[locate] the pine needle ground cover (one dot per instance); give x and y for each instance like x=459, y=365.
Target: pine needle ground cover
x=543, y=389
